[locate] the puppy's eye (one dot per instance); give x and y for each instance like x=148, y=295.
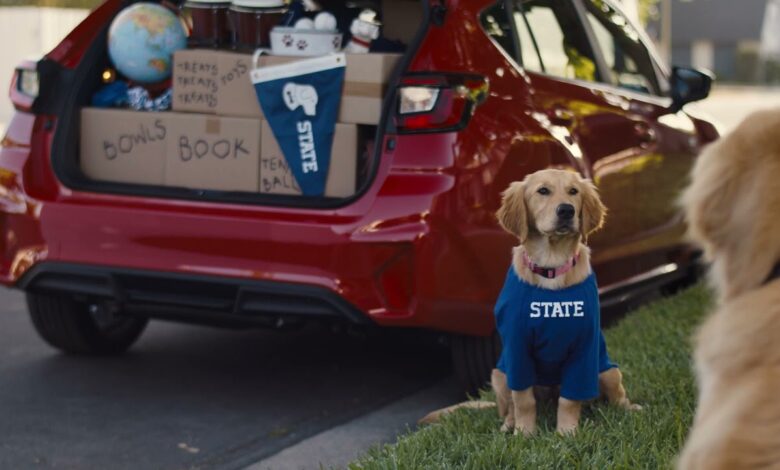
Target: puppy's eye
x=543, y=191
x=573, y=191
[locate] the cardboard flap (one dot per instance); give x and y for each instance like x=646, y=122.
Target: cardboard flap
x=368, y=90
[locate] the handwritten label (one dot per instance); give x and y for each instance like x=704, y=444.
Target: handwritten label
x=276, y=177
x=195, y=82
x=234, y=71
x=198, y=148
x=125, y=143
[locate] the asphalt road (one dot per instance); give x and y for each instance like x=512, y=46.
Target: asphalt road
x=193, y=397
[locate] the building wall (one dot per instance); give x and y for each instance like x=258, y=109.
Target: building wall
x=681, y=55
x=719, y=35
x=722, y=21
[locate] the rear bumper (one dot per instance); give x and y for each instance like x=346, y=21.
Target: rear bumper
x=226, y=265
x=203, y=299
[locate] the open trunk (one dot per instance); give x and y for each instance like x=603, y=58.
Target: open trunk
x=80, y=126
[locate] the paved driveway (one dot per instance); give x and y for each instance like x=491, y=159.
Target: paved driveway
x=191, y=397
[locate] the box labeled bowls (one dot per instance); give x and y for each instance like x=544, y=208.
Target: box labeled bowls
x=124, y=146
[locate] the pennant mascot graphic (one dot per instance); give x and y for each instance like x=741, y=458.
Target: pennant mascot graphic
x=300, y=101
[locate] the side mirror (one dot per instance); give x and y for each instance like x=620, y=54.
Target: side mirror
x=688, y=85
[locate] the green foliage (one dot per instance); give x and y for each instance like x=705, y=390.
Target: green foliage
x=652, y=347
x=648, y=10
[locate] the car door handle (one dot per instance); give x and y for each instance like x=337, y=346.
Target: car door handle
x=561, y=116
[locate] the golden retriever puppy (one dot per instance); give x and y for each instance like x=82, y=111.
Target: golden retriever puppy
x=733, y=210
x=548, y=312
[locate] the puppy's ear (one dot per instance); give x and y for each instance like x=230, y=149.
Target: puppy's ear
x=593, y=210
x=512, y=215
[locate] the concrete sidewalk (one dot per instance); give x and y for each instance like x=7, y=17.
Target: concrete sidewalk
x=339, y=446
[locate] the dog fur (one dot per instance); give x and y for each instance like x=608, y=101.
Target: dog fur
x=733, y=211
x=532, y=218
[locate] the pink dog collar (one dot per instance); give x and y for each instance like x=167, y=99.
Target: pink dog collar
x=550, y=273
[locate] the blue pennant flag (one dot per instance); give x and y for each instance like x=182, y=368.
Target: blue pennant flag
x=300, y=101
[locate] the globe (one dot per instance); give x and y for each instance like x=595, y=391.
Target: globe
x=142, y=39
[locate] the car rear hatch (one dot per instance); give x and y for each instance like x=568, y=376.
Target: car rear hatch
x=72, y=73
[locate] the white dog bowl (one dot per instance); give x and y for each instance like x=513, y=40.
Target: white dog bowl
x=304, y=42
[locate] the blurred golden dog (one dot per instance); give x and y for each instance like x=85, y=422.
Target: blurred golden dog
x=733, y=210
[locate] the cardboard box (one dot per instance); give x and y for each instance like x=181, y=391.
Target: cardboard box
x=209, y=152
x=236, y=96
x=276, y=177
x=195, y=80
x=214, y=82
x=124, y=146
x=217, y=82
x=365, y=84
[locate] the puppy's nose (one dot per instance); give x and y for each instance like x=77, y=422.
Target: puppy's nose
x=565, y=211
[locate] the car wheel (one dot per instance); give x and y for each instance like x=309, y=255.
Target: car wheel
x=70, y=326
x=473, y=358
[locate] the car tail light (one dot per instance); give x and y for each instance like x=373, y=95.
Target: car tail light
x=24, y=87
x=438, y=102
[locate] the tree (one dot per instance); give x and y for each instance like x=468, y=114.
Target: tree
x=648, y=10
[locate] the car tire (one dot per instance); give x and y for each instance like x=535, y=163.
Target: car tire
x=473, y=359
x=68, y=325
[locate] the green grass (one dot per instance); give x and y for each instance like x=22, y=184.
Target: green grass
x=652, y=347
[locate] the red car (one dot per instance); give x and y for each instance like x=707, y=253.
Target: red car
x=487, y=92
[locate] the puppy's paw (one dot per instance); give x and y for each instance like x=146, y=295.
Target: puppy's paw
x=628, y=406
x=567, y=431
x=508, y=424
x=525, y=431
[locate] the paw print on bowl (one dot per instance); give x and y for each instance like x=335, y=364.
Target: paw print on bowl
x=302, y=44
x=287, y=40
x=337, y=42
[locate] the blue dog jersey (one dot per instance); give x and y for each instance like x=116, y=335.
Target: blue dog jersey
x=552, y=337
